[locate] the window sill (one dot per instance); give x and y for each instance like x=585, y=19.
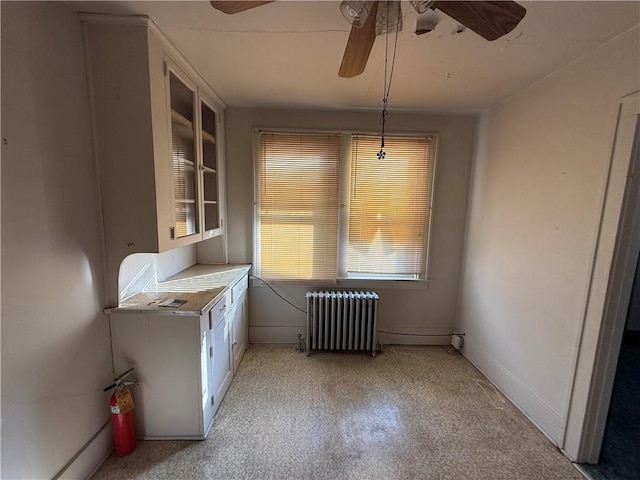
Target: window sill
x=369, y=283
x=349, y=283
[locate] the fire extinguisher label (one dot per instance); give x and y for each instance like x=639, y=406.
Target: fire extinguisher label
x=124, y=401
x=115, y=409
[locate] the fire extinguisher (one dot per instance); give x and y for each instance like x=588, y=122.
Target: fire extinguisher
x=122, y=414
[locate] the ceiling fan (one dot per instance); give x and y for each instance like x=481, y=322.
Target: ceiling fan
x=490, y=20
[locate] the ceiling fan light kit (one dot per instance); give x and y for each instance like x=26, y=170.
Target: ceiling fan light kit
x=355, y=11
x=421, y=6
x=427, y=23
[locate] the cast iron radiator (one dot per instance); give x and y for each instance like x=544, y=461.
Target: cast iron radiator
x=342, y=321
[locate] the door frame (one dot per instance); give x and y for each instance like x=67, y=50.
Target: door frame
x=610, y=291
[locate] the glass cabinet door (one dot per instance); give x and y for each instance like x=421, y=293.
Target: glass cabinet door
x=183, y=158
x=211, y=207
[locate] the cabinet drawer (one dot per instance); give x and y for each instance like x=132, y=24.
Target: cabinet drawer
x=239, y=288
x=220, y=309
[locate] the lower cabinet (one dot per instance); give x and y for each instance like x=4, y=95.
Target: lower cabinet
x=240, y=330
x=184, y=363
x=240, y=334
x=222, y=370
x=171, y=356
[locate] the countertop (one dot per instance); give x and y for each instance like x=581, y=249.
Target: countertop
x=201, y=286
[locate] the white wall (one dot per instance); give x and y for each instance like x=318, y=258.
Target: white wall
x=536, y=199
x=424, y=310
x=55, y=340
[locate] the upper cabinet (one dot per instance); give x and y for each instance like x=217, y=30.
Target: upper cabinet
x=159, y=132
x=182, y=100
x=210, y=172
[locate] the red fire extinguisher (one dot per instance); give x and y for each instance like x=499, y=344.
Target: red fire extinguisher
x=122, y=414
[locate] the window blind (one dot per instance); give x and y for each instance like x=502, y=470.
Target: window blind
x=298, y=206
x=389, y=206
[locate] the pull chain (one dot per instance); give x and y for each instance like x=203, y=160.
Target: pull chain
x=383, y=116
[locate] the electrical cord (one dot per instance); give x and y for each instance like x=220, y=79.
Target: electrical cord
x=484, y=386
x=378, y=331
x=274, y=291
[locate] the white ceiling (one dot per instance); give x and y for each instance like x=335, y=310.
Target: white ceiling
x=287, y=53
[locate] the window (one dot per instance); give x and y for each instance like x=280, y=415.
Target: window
x=298, y=206
x=389, y=207
x=312, y=223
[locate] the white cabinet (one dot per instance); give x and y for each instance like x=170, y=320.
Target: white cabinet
x=211, y=170
x=230, y=337
x=159, y=142
x=196, y=170
x=182, y=98
x=172, y=358
x=220, y=339
x=184, y=363
x=240, y=336
x=222, y=371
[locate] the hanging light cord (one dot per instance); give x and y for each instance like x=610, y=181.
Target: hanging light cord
x=387, y=86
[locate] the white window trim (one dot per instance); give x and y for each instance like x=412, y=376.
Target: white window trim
x=255, y=140
x=342, y=279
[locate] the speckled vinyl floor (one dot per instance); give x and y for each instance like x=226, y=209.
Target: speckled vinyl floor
x=409, y=413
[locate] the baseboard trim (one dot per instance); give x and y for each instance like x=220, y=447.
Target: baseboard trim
x=532, y=407
x=414, y=335
x=581, y=469
x=275, y=334
x=89, y=458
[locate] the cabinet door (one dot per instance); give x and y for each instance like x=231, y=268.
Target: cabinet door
x=206, y=388
x=210, y=172
x=239, y=343
x=222, y=362
x=182, y=98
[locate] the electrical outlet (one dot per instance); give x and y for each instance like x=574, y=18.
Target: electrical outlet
x=457, y=341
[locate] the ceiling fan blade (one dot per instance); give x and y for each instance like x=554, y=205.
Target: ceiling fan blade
x=490, y=20
x=231, y=7
x=359, y=45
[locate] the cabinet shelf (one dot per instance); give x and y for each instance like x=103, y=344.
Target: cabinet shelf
x=211, y=202
x=185, y=161
x=207, y=137
x=185, y=122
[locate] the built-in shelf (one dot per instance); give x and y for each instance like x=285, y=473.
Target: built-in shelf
x=176, y=117
x=186, y=161
x=184, y=132
x=207, y=137
x=185, y=122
